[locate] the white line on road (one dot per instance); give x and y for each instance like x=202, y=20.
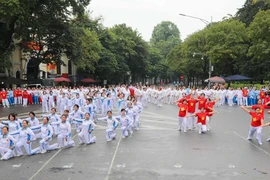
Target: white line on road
x=166, y=117
x=239, y=135
x=112, y=162
x=48, y=161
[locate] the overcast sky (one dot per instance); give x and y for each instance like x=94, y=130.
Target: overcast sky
x=143, y=15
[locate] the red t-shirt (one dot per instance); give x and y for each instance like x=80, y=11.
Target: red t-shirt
x=256, y=119
x=19, y=93
x=202, y=117
x=262, y=94
x=4, y=94
x=182, y=110
x=15, y=93
x=245, y=93
x=192, y=105
x=202, y=102
x=25, y=94
x=262, y=107
x=209, y=105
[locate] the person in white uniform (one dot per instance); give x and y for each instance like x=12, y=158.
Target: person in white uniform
x=88, y=126
x=7, y=144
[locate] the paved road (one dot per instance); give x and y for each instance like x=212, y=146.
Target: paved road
x=18, y=109
x=157, y=152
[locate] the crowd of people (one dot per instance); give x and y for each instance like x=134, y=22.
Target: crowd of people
x=79, y=107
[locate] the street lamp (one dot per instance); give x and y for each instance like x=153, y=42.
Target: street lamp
x=201, y=19
x=194, y=54
x=211, y=68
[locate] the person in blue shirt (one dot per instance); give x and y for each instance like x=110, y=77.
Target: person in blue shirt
x=10, y=96
x=251, y=97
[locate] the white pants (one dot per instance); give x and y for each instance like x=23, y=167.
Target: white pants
x=259, y=133
x=230, y=101
x=27, y=147
x=125, y=130
x=55, y=129
x=159, y=102
x=6, y=153
x=191, y=121
x=5, y=102
x=208, y=122
x=51, y=104
x=137, y=121
x=44, y=145
x=144, y=102
x=25, y=101
x=110, y=134
x=19, y=99
x=86, y=137
x=44, y=106
x=239, y=101
x=68, y=142
x=245, y=99
x=182, y=121
x=202, y=128
x=15, y=100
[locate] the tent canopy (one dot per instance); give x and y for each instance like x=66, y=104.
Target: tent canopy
x=216, y=79
x=237, y=78
x=88, y=80
x=62, y=79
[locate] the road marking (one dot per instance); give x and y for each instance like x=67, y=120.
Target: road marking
x=158, y=115
x=112, y=162
x=267, y=153
x=48, y=161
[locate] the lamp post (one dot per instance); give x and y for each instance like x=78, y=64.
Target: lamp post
x=194, y=54
x=211, y=68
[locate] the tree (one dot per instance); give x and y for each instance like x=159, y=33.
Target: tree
x=259, y=51
x=227, y=43
x=131, y=52
x=247, y=13
x=165, y=37
x=41, y=26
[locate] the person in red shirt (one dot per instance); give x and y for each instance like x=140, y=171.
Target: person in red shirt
x=256, y=124
x=262, y=94
x=15, y=92
x=25, y=96
x=209, y=107
x=19, y=96
x=183, y=108
x=266, y=100
x=191, y=110
x=4, y=95
x=182, y=99
x=202, y=101
x=261, y=106
x=245, y=96
x=201, y=122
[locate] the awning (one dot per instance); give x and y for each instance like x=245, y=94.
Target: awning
x=88, y=80
x=216, y=79
x=62, y=79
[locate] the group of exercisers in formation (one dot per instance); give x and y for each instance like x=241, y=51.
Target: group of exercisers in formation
x=83, y=107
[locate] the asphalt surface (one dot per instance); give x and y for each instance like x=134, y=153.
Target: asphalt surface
x=156, y=152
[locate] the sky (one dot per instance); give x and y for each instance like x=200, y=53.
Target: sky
x=144, y=15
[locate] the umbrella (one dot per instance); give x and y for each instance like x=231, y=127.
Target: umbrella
x=61, y=79
x=237, y=78
x=88, y=80
x=216, y=79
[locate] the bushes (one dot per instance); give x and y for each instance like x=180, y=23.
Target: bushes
x=237, y=85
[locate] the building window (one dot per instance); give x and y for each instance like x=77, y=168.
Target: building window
x=69, y=67
x=18, y=75
x=59, y=69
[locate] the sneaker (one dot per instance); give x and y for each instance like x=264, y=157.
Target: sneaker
x=123, y=137
x=109, y=140
x=179, y=129
x=81, y=143
x=268, y=140
x=19, y=155
x=249, y=138
x=42, y=152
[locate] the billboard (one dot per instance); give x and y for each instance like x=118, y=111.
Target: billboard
x=52, y=68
